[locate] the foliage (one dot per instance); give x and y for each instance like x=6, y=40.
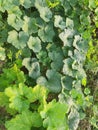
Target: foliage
x=50, y=43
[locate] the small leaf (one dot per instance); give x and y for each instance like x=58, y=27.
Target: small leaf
x=84, y=81
x=69, y=23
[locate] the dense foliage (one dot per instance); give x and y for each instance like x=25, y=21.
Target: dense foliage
x=48, y=50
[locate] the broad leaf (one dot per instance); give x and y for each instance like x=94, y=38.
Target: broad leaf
x=73, y=119
x=54, y=116
x=29, y=25
x=18, y=40
x=34, y=43
x=67, y=37
x=24, y=121
x=59, y=22
x=46, y=34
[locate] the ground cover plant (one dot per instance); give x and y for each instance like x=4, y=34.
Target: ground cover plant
x=48, y=65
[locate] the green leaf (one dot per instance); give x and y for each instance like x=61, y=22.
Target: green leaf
x=18, y=40
x=67, y=82
x=80, y=44
x=69, y=23
x=67, y=37
x=52, y=82
x=39, y=93
x=10, y=76
x=45, y=12
x=87, y=91
x=58, y=22
x=46, y=34
x=34, y=43
x=54, y=116
x=57, y=58
x=2, y=53
x=67, y=68
x=84, y=81
x=17, y=100
x=24, y=121
x=30, y=25
x=79, y=56
x=14, y=21
x=73, y=119
x=25, y=3
x=33, y=67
